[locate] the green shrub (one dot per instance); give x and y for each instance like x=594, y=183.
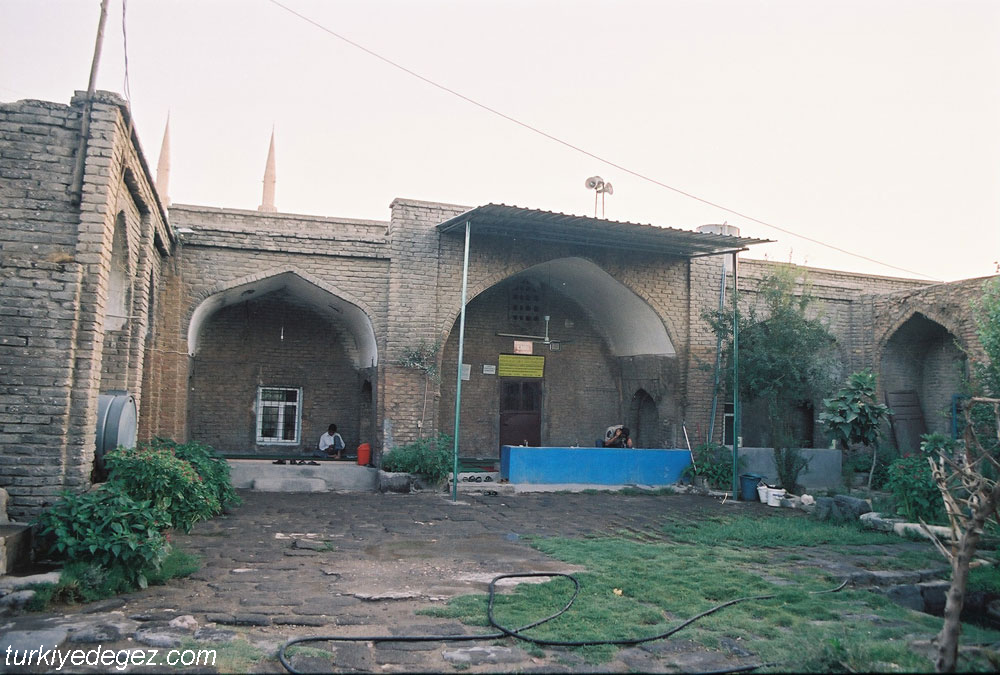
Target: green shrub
x=106, y=528
x=913, y=489
x=714, y=462
x=170, y=483
x=860, y=461
x=88, y=582
x=789, y=463
x=208, y=463
x=932, y=444
x=431, y=458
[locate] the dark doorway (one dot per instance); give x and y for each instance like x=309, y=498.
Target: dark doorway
x=521, y=412
x=644, y=420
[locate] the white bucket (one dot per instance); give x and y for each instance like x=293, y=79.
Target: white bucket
x=774, y=497
x=762, y=492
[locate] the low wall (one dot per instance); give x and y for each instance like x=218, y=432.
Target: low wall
x=823, y=470
x=593, y=466
x=261, y=474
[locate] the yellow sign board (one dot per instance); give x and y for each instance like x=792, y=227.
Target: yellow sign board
x=517, y=365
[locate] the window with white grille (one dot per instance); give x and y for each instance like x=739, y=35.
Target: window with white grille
x=279, y=415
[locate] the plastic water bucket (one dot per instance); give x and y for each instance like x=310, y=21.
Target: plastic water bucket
x=748, y=486
x=364, y=454
x=774, y=497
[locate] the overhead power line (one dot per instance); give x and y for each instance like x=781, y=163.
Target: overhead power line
x=584, y=151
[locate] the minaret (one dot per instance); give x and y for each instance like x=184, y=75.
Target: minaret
x=163, y=167
x=267, y=201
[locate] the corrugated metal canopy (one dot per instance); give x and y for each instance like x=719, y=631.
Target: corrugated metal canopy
x=500, y=220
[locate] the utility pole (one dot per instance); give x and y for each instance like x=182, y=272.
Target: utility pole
x=76, y=184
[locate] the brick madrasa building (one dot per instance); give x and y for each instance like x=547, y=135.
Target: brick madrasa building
x=122, y=316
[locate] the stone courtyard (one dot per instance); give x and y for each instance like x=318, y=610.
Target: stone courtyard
x=285, y=566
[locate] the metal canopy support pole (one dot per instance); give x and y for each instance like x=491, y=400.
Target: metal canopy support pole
x=461, y=356
x=736, y=374
x=718, y=361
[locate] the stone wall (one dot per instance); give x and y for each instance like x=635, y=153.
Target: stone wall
x=57, y=348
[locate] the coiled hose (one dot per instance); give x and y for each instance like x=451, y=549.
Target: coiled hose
x=503, y=631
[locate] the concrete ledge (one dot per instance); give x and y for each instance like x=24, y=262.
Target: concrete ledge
x=15, y=547
x=289, y=485
x=263, y=475
x=823, y=470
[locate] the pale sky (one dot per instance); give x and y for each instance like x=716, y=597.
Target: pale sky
x=872, y=126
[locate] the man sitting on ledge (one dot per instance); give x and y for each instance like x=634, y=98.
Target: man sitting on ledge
x=331, y=444
x=617, y=437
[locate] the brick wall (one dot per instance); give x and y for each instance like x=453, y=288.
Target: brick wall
x=221, y=249
x=54, y=258
x=273, y=341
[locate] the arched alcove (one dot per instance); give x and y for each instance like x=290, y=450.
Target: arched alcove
x=921, y=369
x=116, y=308
x=275, y=360
x=644, y=421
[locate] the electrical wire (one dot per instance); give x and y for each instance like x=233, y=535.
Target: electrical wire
x=581, y=150
x=518, y=633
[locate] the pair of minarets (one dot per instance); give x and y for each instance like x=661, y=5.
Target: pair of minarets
x=163, y=174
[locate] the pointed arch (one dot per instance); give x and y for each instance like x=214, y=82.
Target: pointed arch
x=626, y=320
x=326, y=299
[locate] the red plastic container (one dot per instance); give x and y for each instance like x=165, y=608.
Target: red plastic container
x=364, y=454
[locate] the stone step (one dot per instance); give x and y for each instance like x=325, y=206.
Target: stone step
x=289, y=484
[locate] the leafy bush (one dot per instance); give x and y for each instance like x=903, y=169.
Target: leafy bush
x=789, y=463
x=913, y=489
x=106, y=528
x=208, y=463
x=714, y=462
x=170, y=483
x=431, y=458
x=932, y=444
x=853, y=415
x=860, y=461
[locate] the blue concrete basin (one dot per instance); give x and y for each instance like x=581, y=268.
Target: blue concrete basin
x=596, y=466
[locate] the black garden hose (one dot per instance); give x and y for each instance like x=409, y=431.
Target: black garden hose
x=517, y=633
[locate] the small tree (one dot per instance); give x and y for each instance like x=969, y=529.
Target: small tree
x=422, y=357
x=968, y=480
x=853, y=416
x=785, y=359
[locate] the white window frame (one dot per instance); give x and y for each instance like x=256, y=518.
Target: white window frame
x=280, y=405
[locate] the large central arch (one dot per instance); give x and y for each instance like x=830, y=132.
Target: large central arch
x=626, y=321
x=601, y=334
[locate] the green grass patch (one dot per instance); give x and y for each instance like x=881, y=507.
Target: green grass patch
x=772, y=532
x=984, y=579
x=237, y=656
x=636, y=589
x=82, y=582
